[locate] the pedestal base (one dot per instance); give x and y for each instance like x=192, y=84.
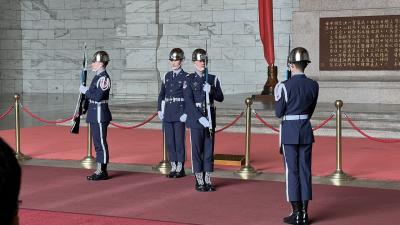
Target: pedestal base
x=88, y=162
x=247, y=172
x=163, y=167
x=22, y=157
x=339, y=177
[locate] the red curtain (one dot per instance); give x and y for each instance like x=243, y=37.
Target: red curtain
x=266, y=29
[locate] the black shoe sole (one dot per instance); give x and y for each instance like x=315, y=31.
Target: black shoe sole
x=201, y=189
x=90, y=179
x=179, y=175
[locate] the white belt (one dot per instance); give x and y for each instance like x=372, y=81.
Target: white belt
x=200, y=105
x=100, y=102
x=295, y=117
x=174, y=99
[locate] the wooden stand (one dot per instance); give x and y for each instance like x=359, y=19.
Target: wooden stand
x=267, y=95
x=228, y=160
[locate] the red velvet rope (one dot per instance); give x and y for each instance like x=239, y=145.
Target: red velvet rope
x=323, y=122
x=7, y=112
x=135, y=126
x=44, y=120
x=366, y=135
x=230, y=124
x=265, y=122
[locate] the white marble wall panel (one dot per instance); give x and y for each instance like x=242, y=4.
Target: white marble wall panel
x=243, y=40
x=246, y=15
x=201, y=16
x=180, y=41
x=179, y=17
x=141, y=58
x=50, y=30
x=233, y=53
x=223, y=16
x=233, y=28
x=191, y=5
x=234, y=4
x=189, y=29
x=228, y=78
x=53, y=32
x=210, y=28
x=212, y=5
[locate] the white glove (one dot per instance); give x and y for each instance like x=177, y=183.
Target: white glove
x=206, y=88
x=204, y=122
x=83, y=89
x=160, y=115
x=183, y=118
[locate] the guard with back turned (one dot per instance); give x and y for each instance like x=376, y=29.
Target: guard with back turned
x=196, y=86
x=98, y=113
x=171, y=108
x=296, y=99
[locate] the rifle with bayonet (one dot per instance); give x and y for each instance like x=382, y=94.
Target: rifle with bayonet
x=82, y=104
x=288, y=72
x=208, y=104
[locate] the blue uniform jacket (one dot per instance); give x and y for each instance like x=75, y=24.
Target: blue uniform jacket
x=193, y=92
x=172, y=93
x=98, y=95
x=302, y=95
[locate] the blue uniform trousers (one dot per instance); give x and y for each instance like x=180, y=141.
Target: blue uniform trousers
x=99, y=134
x=298, y=171
x=202, y=150
x=175, y=140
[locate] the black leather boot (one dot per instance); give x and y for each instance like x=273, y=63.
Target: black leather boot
x=172, y=173
x=207, y=180
x=200, y=182
x=304, y=212
x=100, y=173
x=180, y=170
x=295, y=217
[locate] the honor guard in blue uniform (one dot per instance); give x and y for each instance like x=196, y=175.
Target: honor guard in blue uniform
x=296, y=99
x=98, y=113
x=202, y=137
x=171, y=110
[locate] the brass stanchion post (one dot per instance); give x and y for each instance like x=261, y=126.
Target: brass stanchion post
x=247, y=170
x=338, y=177
x=18, y=154
x=88, y=161
x=164, y=166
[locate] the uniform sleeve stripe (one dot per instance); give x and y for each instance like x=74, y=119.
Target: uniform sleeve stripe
x=163, y=79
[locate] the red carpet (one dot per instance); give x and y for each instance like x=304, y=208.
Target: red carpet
x=156, y=198
x=362, y=158
x=41, y=217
